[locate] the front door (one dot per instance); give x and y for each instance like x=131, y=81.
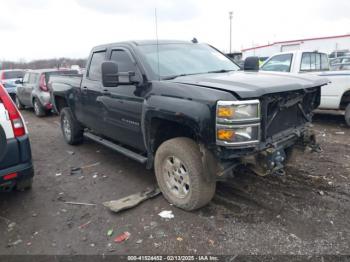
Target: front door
x=122, y=105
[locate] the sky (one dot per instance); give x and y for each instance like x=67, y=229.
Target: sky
x=39, y=29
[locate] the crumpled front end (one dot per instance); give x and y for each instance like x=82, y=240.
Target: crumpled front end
x=284, y=124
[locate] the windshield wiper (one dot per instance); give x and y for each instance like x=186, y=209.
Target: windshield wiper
x=176, y=76
x=219, y=71
x=210, y=72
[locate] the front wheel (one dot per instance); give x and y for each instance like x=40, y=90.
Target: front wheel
x=71, y=128
x=347, y=115
x=179, y=173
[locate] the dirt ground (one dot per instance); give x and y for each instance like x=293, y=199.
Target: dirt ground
x=305, y=212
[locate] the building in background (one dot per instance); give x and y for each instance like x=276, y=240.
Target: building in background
x=328, y=44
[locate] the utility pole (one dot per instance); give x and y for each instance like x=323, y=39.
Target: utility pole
x=230, y=16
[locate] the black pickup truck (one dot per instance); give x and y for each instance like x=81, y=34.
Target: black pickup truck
x=187, y=111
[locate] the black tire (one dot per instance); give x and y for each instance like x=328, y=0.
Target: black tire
x=75, y=136
x=24, y=184
x=39, y=110
x=19, y=104
x=347, y=115
x=200, y=190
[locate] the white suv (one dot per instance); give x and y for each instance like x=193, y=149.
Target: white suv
x=16, y=168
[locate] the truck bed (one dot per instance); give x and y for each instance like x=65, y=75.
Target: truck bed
x=64, y=82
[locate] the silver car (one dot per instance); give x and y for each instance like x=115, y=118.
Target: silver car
x=33, y=91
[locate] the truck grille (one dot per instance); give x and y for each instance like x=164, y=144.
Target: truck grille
x=288, y=110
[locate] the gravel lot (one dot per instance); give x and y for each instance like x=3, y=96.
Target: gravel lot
x=305, y=212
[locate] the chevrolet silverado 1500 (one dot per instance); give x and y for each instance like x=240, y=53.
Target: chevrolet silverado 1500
x=187, y=111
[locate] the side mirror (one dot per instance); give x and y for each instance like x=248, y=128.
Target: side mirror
x=111, y=76
x=251, y=64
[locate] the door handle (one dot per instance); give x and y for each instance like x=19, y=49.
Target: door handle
x=106, y=93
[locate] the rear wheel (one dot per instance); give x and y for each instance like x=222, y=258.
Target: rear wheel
x=24, y=184
x=71, y=128
x=347, y=115
x=38, y=108
x=179, y=172
x=19, y=105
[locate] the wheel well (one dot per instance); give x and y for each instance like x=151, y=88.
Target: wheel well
x=345, y=100
x=60, y=103
x=162, y=130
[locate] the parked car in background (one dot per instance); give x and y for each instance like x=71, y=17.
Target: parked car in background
x=11, y=89
x=16, y=169
x=335, y=95
x=188, y=111
x=10, y=78
x=33, y=91
x=340, y=63
x=339, y=53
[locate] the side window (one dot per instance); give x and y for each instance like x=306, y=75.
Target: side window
x=26, y=78
x=34, y=78
x=280, y=63
x=94, y=72
x=122, y=58
x=305, y=62
x=314, y=62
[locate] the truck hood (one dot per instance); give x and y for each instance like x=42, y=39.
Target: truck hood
x=253, y=84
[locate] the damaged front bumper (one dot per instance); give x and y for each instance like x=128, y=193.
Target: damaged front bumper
x=269, y=157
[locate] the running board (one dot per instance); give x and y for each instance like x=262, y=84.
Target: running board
x=115, y=147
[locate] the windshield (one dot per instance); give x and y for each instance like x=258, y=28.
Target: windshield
x=185, y=59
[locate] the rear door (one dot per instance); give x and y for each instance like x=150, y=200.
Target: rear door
x=28, y=86
x=91, y=90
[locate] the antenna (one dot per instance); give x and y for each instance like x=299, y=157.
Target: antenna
x=156, y=21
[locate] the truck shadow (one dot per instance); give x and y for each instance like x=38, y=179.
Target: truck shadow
x=329, y=119
x=299, y=201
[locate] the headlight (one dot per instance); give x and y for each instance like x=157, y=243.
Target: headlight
x=237, y=122
x=234, y=111
x=238, y=134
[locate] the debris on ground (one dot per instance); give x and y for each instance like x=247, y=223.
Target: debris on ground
x=84, y=225
x=166, y=214
x=91, y=165
x=110, y=232
x=70, y=152
x=211, y=242
x=131, y=201
x=94, y=175
x=76, y=171
x=80, y=204
x=59, y=174
x=122, y=237
x=179, y=239
x=11, y=226
x=139, y=241
x=15, y=243
x=321, y=193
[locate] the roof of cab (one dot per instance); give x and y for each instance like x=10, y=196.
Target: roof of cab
x=142, y=42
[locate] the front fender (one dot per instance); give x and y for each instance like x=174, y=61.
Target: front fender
x=196, y=115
